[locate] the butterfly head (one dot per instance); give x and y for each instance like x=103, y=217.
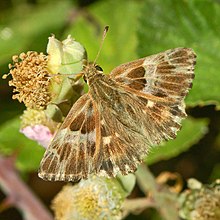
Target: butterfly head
x=90, y=71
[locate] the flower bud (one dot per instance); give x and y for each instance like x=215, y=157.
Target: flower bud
x=65, y=57
x=95, y=198
x=200, y=202
x=36, y=126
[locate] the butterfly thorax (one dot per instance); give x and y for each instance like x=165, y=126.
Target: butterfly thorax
x=91, y=72
x=101, y=87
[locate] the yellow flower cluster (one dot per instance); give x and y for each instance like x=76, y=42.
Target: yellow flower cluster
x=30, y=79
x=33, y=117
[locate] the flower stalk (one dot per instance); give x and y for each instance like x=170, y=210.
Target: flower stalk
x=18, y=193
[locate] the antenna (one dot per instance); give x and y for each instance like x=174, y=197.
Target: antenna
x=102, y=41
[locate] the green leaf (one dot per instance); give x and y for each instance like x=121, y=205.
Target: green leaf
x=192, y=131
x=120, y=43
x=180, y=23
x=28, y=153
x=28, y=28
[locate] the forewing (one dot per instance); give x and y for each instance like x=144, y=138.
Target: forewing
x=161, y=81
x=167, y=74
x=73, y=152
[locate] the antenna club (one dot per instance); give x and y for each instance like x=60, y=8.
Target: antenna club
x=106, y=28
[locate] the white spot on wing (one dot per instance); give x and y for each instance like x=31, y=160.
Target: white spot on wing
x=150, y=104
x=106, y=140
x=117, y=135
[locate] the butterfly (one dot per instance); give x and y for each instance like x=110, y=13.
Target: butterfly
x=111, y=128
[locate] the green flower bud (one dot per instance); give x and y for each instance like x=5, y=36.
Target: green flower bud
x=65, y=57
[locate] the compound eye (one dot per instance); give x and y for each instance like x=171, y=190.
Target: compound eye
x=98, y=68
x=84, y=78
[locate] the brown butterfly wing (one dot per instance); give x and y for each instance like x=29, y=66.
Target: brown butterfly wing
x=147, y=107
x=167, y=74
x=162, y=81
x=74, y=151
x=124, y=140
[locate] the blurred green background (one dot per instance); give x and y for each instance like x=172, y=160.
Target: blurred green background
x=138, y=28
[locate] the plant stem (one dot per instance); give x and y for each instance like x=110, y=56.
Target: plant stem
x=19, y=194
x=146, y=180
x=164, y=200
x=136, y=206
